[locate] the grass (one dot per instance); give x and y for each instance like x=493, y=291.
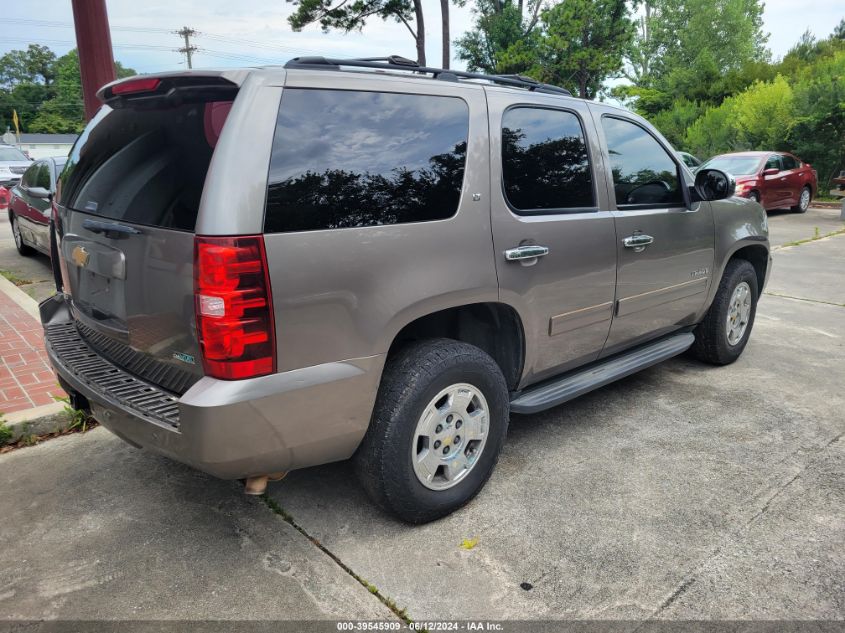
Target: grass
x=5, y=432
x=18, y=281
x=386, y=601
x=816, y=236
x=77, y=420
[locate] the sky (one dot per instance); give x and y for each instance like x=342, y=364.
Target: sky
x=256, y=32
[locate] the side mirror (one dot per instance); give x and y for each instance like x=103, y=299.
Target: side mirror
x=771, y=171
x=40, y=192
x=714, y=184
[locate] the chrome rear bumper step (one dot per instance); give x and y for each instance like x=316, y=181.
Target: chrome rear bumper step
x=557, y=391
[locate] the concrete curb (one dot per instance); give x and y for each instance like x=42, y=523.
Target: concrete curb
x=49, y=418
x=20, y=297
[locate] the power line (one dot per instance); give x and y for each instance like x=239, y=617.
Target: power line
x=138, y=29
x=188, y=50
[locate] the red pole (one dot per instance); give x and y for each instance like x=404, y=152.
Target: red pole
x=93, y=41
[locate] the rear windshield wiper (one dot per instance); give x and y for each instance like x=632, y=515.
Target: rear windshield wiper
x=110, y=229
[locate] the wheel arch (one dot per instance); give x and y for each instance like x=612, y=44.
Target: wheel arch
x=492, y=326
x=758, y=256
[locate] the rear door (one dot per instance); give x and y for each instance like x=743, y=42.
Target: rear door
x=665, y=243
x=775, y=187
x=553, y=231
x=128, y=200
x=794, y=178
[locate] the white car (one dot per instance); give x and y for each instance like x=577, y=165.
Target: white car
x=13, y=163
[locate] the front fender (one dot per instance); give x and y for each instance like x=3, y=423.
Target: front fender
x=739, y=223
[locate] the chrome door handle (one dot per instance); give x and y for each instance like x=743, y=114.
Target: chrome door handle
x=637, y=242
x=528, y=251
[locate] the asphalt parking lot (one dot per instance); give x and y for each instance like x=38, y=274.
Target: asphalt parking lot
x=685, y=492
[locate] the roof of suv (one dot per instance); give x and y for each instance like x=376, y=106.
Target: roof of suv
x=397, y=63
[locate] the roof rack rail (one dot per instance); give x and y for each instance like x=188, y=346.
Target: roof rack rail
x=396, y=62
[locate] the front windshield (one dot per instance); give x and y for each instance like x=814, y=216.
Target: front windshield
x=736, y=165
x=10, y=153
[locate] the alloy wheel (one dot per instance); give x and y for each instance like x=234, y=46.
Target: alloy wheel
x=450, y=436
x=739, y=313
x=16, y=232
x=804, y=202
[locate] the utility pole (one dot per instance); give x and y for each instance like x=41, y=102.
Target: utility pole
x=189, y=50
x=93, y=41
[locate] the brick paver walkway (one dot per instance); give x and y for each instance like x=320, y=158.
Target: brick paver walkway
x=26, y=379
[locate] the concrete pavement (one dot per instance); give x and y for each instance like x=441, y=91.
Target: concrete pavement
x=94, y=529
x=787, y=226
x=682, y=492
x=34, y=270
x=685, y=491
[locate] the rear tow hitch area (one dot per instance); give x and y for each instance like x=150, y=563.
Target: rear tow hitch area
x=258, y=485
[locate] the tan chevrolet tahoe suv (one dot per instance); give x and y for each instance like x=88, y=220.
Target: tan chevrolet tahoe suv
x=268, y=269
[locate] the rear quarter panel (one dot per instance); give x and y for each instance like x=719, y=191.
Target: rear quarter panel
x=345, y=293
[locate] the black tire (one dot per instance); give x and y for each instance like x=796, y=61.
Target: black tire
x=23, y=248
x=754, y=196
x=411, y=379
x=711, y=336
x=800, y=208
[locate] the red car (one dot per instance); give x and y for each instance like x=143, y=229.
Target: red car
x=776, y=180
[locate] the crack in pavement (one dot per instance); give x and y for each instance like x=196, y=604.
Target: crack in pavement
x=736, y=534
x=819, y=301
x=275, y=508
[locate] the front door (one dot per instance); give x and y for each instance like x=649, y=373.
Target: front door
x=553, y=231
x=664, y=242
x=40, y=208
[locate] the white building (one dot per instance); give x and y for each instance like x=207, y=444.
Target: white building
x=46, y=145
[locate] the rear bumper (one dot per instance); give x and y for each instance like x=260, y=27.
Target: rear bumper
x=230, y=429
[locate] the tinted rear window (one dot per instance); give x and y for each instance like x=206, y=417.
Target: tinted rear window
x=545, y=165
x=143, y=166
x=345, y=159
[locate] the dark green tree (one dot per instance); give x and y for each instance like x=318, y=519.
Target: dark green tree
x=34, y=65
x=352, y=16
x=65, y=111
x=582, y=43
x=499, y=25
x=696, y=50
x=46, y=92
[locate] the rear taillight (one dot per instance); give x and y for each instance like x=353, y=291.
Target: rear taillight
x=234, y=307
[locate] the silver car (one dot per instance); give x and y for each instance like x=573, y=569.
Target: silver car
x=269, y=269
x=13, y=163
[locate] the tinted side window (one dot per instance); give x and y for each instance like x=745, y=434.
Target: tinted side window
x=789, y=162
x=643, y=172
x=545, y=164
x=773, y=163
x=345, y=159
x=42, y=176
x=30, y=176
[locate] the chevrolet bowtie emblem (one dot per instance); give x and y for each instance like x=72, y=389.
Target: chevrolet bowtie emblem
x=80, y=256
